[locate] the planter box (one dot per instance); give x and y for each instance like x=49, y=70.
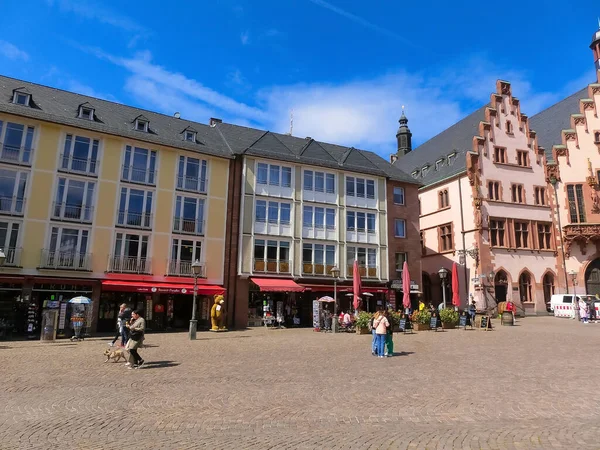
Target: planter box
x=421, y=326
x=362, y=331
x=448, y=326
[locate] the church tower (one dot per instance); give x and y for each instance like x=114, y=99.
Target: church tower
x=404, y=136
x=595, y=46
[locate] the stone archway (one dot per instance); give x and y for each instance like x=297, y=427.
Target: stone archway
x=592, y=277
x=501, y=286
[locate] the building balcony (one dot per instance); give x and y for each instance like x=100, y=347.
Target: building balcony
x=192, y=184
x=82, y=166
x=316, y=269
x=178, y=268
x=188, y=226
x=68, y=260
x=134, y=219
x=138, y=175
x=582, y=233
x=13, y=256
x=20, y=156
x=272, y=266
x=366, y=271
x=72, y=213
x=129, y=264
x=13, y=206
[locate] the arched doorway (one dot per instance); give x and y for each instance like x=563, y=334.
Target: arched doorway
x=426, y=281
x=548, y=287
x=501, y=286
x=592, y=277
x=525, y=290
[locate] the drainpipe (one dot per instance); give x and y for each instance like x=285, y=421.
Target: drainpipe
x=554, y=182
x=464, y=245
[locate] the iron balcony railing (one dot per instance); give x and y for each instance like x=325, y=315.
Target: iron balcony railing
x=176, y=267
x=65, y=260
x=133, y=219
x=72, y=164
x=188, y=226
x=138, y=175
x=368, y=271
x=317, y=269
x=129, y=264
x=15, y=206
x=75, y=213
x=13, y=256
x=193, y=184
x=16, y=155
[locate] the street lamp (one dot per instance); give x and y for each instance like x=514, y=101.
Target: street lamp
x=335, y=273
x=443, y=273
x=196, y=269
x=2, y=257
x=573, y=276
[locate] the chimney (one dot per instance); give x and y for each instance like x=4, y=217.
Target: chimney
x=393, y=158
x=212, y=122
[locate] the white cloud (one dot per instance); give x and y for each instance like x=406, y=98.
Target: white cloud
x=11, y=51
x=80, y=88
x=245, y=37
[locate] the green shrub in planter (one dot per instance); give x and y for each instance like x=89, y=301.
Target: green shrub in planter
x=423, y=317
x=449, y=316
x=363, y=319
x=394, y=317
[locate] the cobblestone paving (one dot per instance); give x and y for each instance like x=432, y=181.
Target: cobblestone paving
x=511, y=388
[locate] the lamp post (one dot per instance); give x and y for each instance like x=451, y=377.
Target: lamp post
x=443, y=273
x=573, y=276
x=196, y=269
x=335, y=273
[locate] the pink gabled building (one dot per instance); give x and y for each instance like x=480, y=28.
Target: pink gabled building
x=484, y=205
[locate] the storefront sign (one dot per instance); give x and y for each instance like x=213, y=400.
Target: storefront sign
x=316, y=314
x=392, y=299
x=148, y=308
x=160, y=290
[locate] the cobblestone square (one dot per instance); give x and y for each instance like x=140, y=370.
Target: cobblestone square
x=529, y=386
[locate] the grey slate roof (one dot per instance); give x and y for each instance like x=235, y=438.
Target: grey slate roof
x=266, y=144
x=549, y=123
x=58, y=106
x=224, y=140
x=458, y=138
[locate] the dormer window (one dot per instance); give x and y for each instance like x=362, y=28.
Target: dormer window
x=85, y=112
x=451, y=158
x=424, y=171
x=438, y=164
x=141, y=125
x=190, y=136
x=415, y=174
x=21, y=98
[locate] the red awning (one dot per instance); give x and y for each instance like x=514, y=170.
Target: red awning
x=161, y=288
x=326, y=288
x=277, y=285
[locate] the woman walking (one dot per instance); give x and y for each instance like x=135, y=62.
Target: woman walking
x=381, y=325
x=136, y=338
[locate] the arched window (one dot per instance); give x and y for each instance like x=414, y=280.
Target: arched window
x=548, y=287
x=444, y=200
x=525, y=287
x=597, y=137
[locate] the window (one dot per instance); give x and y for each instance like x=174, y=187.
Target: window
x=540, y=196
x=74, y=200
x=544, y=236
x=261, y=211
x=271, y=256
x=522, y=158
x=135, y=208
x=184, y=252
x=438, y=164
x=141, y=125
x=399, y=195
x=370, y=223
x=12, y=191
x=415, y=174
x=330, y=183
x=497, y=229
x=273, y=175
x=189, y=215
x=308, y=180
x=443, y=201
x=319, y=182
x=500, y=155
x=21, y=98
x=190, y=136
x=131, y=254
x=330, y=219
x=451, y=158
x=597, y=137
x=9, y=238
x=67, y=249
x=521, y=235
x=17, y=143
x=80, y=155
x=351, y=220
x=370, y=189
x=360, y=187
x=446, y=240
x=192, y=174
x=317, y=259
x=401, y=258
x=319, y=217
x=493, y=190
x=400, y=228
x=576, y=204
x=366, y=258
x=139, y=165
x=350, y=186
x=525, y=287
x=275, y=212
x=86, y=113
x=509, y=128
x=517, y=193
x=424, y=171
x=360, y=221
x=422, y=242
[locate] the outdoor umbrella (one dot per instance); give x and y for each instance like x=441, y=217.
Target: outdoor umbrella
x=80, y=300
x=405, y=286
x=356, y=285
x=455, y=295
x=326, y=299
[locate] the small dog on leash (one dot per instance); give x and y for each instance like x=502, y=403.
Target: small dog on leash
x=114, y=354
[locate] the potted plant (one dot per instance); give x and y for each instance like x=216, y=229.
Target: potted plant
x=362, y=322
x=449, y=318
x=420, y=320
x=395, y=317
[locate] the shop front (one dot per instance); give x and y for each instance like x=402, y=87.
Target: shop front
x=13, y=308
x=397, y=294
x=274, y=301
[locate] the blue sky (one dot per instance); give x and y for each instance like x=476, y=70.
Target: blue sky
x=345, y=67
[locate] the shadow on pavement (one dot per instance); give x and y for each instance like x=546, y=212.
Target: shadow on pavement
x=159, y=364
x=403, y=353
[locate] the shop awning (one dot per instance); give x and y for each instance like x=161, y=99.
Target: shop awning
x=325, y=287
x=277, y=285
x=161, y=288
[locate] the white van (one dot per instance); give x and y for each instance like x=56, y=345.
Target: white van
x=562, y=304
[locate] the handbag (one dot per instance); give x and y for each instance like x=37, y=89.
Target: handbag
x=136, y=335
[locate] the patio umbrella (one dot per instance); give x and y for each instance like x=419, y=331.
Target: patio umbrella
x=80, y=300
x=326, y=299
x=455, y=294
x=356, y=285
x=405, y=286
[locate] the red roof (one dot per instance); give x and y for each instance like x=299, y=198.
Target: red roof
x=162, y=288
x=277, y=285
